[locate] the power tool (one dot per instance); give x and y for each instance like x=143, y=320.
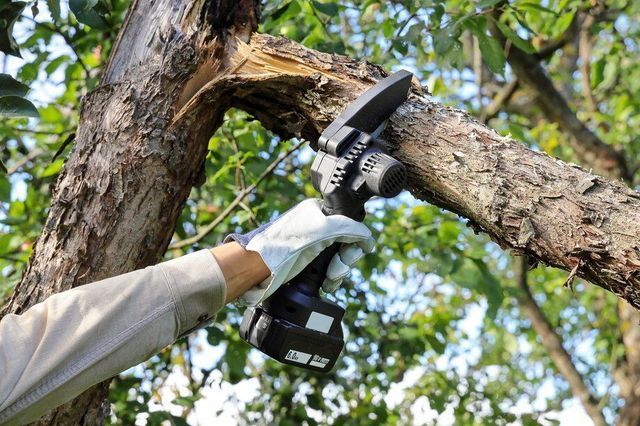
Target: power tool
x=296, y=325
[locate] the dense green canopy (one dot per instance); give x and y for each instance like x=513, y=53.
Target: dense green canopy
x=435, y=325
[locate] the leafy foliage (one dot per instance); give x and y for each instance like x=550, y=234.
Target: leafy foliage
x=434, y=328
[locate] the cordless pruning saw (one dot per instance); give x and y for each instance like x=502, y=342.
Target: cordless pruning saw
x=295, y=325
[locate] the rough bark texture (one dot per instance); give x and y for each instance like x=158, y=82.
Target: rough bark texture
x=118, y=197
x=173, y=73
x=603, y=159
x=526, y=201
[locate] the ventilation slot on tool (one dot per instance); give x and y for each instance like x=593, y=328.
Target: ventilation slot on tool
x=385, y=176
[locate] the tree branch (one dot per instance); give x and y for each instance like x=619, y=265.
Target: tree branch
x=237, y=201
x=588, y=147
x=501, y=98
x=526, y=201
x=584, y=51
x=553, y=343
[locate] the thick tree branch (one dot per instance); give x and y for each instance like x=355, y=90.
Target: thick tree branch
x=588, y=147
x=589, y=151
x=118, y=197
x=553, y=343
x=526, y=201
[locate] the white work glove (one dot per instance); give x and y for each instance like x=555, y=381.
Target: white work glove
x=289, y=243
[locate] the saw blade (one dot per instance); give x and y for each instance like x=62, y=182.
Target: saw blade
x=373, y=107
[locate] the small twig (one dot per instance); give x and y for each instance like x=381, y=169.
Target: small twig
x=39, y=132
x=252, y=216
x=501, y=98
x=66, y=142
x=66, y=38
x=572, y=275
x=24, y=160
x=477, y=70
x=399, y=31
x=229, y=209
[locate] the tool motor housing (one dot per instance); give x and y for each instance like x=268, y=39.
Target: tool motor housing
x=295, y=325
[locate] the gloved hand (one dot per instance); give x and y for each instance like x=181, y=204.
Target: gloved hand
x=289, y=243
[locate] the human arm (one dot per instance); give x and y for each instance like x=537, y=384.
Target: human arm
x=77, y=338
x=80, y=337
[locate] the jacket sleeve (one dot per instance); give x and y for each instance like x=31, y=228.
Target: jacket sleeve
x=80, y=337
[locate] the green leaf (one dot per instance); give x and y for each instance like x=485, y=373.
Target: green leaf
x=483, y=4
x=329, y=9
x=563, y=22
x=490, y=49
x=9, y=14
x=597, y=72
x=492, y=53
x=236, y=357
x=54, y=8
x=3, y=168
x=185, y=401
x=53, y=168
x=214, y=335
x=448, y=232
x=5, y=188
x=442, y=41
x=609, y=75
x=436, y=344
x=15, y=106
x=491, y=287
x=86, y=13
x=535, y=6
x=9, y=86
x=519, y=42
x=55, y=64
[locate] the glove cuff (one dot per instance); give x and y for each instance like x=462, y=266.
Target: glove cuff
x=243, y=239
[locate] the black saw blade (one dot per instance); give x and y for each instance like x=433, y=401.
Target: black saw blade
x=373, y=107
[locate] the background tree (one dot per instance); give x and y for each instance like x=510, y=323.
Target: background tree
x=438, y=323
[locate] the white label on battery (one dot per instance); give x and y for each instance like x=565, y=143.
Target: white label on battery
x=297, y=356
x=319, y=361
x=319, y=322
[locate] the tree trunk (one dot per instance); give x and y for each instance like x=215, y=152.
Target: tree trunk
x=178, y=65
x=123, y=187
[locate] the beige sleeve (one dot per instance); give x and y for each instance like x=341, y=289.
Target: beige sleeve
x=77, y=338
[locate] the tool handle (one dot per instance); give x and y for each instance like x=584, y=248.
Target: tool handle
x=310, y=279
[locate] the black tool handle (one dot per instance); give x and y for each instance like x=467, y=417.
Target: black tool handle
x=310, y=279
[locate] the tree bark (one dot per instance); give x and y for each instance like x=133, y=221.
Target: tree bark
x=526, y=201
x=178, y=65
